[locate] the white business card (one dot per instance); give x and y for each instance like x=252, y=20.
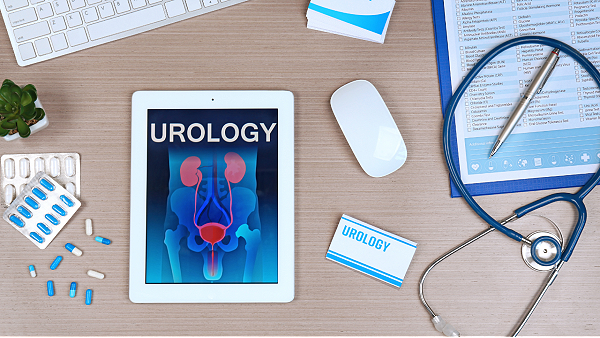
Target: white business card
x=370, y=250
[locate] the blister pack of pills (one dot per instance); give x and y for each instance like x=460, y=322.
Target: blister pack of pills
x=41, y=210
x=17, y=170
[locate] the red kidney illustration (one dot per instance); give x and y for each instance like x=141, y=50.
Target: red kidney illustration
x=190, y=175
x=236, y=167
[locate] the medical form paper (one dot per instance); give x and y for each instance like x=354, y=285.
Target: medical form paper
x=559, y=135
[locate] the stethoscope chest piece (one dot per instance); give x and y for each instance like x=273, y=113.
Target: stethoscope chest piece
x=546, y=246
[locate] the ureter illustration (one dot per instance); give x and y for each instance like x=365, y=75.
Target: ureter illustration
x=218, y=196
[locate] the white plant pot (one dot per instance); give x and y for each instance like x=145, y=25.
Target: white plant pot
x=41, y=124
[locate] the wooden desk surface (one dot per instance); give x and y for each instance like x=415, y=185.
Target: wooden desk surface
x=264, y=44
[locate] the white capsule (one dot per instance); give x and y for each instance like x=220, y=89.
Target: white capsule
x=69, y=166
x=95, y=274
x=9, y=194
x=88, y=227
x=9, y=168
x=24, y=167
x=39, y=165
x=54, y=167
x=70, y=188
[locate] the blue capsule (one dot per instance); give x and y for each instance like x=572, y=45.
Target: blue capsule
x=40, y=194
x=52, y=219
x=103, y=240
x=50, y=288
x=73, y=290
x=59, y=210
x=32, y=271
x=36, y=237
x=57, y=261
x=32, y=203
x=88, y=297
x=44, y=228
x=44, y=182
x=18, y=222
x=24, y=211
x=67, y=201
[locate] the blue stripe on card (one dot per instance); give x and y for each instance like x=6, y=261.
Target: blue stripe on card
x=348, y=262
x=379, y=232
x=374, y=23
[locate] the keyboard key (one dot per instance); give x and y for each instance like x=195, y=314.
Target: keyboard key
x=31, y=32
x=15, y=4
x=77, y=36
x=138, y=3
x=45, y=10
x=60, y=6
x=59, y=41
x=74, y=19
x=33, y=2
x=126, y=22
x=43, y=46
x=27, y=51
x=174, y=8
x=193, y=5
x=210, y=2
x=58, y=24
x=90, y=14
x=106, y=10
x=122, y=6
x=92, y=2
x=76, y=4
x=22, y=17
x=154, y=1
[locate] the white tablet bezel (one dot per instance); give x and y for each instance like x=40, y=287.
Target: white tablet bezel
x=283, y=290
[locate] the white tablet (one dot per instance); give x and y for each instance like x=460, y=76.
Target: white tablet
x=212, y=197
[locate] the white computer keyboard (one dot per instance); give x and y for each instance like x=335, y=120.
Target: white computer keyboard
x=44, y=29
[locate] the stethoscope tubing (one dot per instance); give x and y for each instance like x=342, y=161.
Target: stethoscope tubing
x=576, y=199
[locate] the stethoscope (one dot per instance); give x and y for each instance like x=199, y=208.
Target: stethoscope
x=545, y=250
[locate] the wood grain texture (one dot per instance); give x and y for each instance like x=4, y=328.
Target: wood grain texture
x=264, y=44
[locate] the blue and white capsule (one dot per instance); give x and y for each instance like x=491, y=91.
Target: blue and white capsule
x=50, y=286
x=54, y=264
x=88, y=297
x=73, y=290
x=103, y=240
x=32, y=271
x=74, y=250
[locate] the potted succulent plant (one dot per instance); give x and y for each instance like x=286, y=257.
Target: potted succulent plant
x=21, y=113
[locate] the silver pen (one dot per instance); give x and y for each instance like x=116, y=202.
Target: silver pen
x=534, y=88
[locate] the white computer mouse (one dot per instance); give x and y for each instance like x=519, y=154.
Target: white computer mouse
x=369, y=128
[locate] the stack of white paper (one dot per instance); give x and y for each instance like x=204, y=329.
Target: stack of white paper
x=361, y=19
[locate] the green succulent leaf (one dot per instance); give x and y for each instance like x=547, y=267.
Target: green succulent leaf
x=26, y=98
x=10, y=125
x=5, y=93
x=23, y=128
x=16, y=89
x=30, y=87
x=8, y=107
x=15, y=99
x=28, y=111
x=32, y=93
x=39, y=114
x=3, y=132
x=7, y=82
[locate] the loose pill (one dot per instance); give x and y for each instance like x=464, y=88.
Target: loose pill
x=54, y=167
x=103, y=240
x=95, y=274
x=70, y=188
x=88, y=297
x=32, y=203
x=59, y=210
x=17, y=221
x=39, y=165
x=32, y=271
x=36, y=237
x=50, y=288
x=52, y=219
x=88, y=227
x=40, y=194
x=69, y=166
x=24, y=167
x=67, y=201
x=73, y=290
x=57, y=261
x=9, y=168
x=46, y=184
x=24, y=211
x=9, y=194
x=73, y=249
x=44, y=228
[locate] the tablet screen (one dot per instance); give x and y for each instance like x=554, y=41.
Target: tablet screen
x=211, y=196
